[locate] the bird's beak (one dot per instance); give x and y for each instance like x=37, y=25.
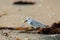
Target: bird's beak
x=25, y=21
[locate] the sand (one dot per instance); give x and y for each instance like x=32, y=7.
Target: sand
x=46, y=11
x=16, y=35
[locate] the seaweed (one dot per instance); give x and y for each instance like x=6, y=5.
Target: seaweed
x=23, y=3
x=54, y=29
x=7, y=28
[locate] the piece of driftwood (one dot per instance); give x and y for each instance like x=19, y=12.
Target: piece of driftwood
x=3, y=14
x=23, y=3
x=7, y=28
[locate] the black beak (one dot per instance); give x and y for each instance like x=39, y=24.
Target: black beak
x=25, y=21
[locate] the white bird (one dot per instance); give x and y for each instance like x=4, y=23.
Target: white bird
x=35, y=24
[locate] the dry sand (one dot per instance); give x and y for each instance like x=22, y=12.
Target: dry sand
x=46, y=11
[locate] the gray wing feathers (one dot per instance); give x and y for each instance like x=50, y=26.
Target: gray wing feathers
x=37, y=24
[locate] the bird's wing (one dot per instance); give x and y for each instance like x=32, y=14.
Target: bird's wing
x=37, y=24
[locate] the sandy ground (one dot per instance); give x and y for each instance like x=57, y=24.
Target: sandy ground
x=46, y=11
x=15, y=35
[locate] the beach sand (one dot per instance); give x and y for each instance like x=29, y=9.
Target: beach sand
x=15, y=35
x=46, y=11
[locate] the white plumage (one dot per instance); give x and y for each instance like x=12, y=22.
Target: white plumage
x=34, y=23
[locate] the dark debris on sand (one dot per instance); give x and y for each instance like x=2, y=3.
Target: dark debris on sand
x=54, y=29
x=23, y=3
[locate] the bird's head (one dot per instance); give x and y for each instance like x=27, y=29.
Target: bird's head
x=28, y=18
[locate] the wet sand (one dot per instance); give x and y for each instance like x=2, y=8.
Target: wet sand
x=15, y=35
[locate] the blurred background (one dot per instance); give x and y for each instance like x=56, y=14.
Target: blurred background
x=46, y=11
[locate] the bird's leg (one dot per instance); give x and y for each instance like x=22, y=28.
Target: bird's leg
x=47, y=26
x=35, y=28
x=30, y=28
x=41, y=30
